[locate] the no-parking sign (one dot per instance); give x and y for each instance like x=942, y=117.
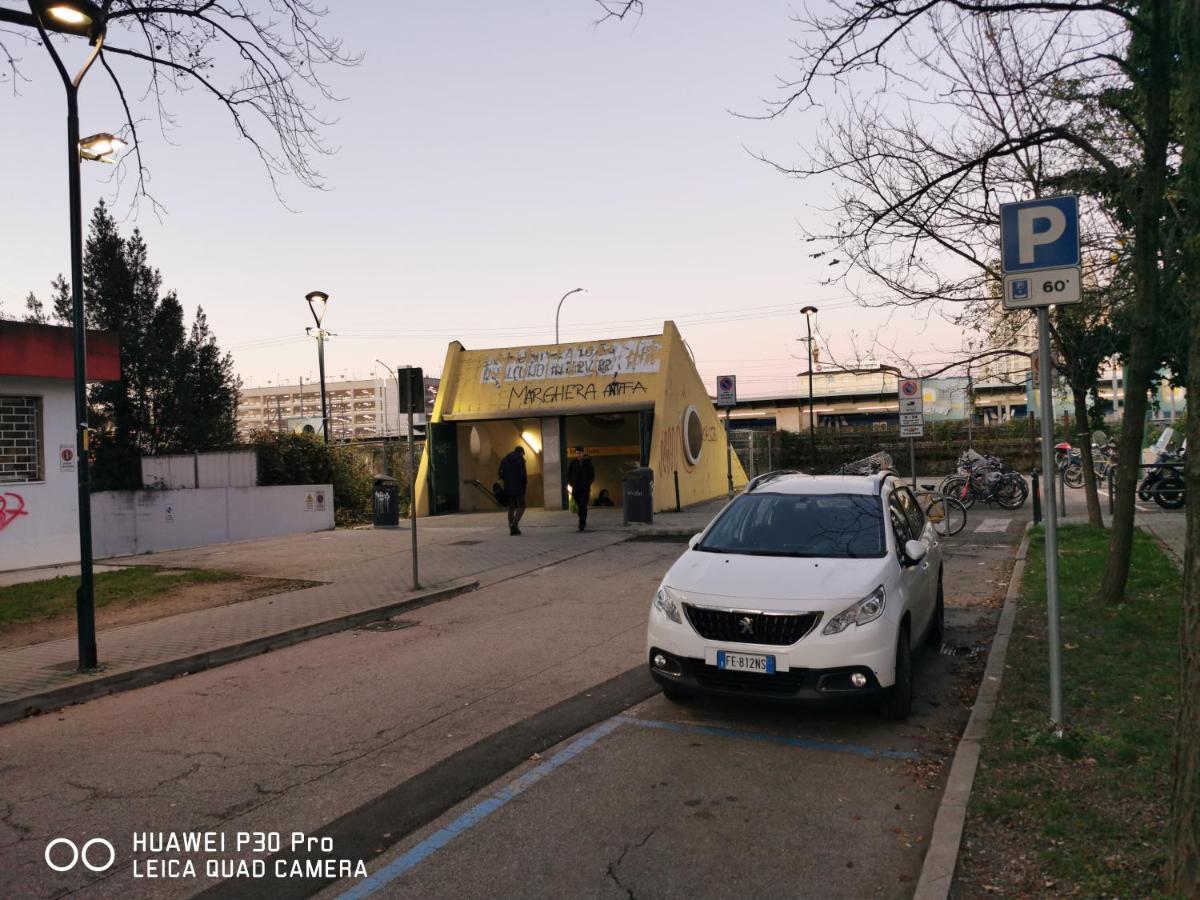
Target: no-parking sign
x=726, y=390
x=911, y=400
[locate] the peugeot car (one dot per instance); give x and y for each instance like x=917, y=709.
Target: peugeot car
x=803, y=588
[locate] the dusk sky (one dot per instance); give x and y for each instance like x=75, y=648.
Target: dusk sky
x=491, y=157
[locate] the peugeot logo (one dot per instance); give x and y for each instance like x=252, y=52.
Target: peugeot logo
x=746, y=625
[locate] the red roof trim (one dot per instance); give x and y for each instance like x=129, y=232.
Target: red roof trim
x=48, y=351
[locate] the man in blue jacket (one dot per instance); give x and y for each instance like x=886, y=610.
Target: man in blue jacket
x=515, y=480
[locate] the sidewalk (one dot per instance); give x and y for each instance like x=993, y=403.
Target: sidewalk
x=367, y=574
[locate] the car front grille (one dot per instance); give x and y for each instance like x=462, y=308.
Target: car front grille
x=774, y=629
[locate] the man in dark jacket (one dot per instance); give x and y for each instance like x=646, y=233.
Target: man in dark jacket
x=580, y=475
x=515, y=480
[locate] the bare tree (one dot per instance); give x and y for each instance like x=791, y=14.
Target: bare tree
x=261, y=60
x=986, y=102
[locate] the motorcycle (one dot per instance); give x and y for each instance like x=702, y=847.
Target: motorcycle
x=1164, y=484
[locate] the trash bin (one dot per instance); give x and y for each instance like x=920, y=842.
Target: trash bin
x=638, y=488
x=386, y=502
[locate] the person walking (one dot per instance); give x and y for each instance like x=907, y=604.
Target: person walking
x=580, y=475
x=515, y=480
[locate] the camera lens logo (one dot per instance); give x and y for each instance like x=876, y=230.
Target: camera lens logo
x=75, y=854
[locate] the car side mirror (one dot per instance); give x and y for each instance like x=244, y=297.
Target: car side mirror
x=694, y=540
x=914, y=552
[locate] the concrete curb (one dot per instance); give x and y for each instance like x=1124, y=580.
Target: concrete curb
x=937, y=872
x=13, y=710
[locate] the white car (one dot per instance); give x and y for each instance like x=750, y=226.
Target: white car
x=803, y=588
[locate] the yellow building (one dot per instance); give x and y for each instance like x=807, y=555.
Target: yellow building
x=631, y=402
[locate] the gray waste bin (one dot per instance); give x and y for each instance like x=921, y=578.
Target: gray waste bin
x=386, y=502
x=638, y=488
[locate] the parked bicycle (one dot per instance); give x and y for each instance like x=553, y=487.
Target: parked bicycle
x=985, y=478
x=1104, y=461
x=948, y=515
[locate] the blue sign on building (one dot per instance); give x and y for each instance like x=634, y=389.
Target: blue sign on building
x=1039, y=234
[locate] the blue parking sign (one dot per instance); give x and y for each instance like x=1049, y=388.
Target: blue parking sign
x=1039, y=234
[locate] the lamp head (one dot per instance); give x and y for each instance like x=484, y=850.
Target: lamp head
x=102, y=147
x=807, y=310
x=317, y=301
x=82, y=17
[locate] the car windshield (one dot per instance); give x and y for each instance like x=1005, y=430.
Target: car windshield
x=836, y=526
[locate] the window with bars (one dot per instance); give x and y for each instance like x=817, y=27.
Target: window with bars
x=21, y=440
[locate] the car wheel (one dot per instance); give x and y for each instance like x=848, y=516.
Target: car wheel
x=937, y=627
x=898, y=704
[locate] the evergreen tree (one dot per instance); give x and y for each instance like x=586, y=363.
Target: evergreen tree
x=35, y=312
x=60, y=301
x=177, y=393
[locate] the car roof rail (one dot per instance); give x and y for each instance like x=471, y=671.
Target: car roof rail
x=766, y=477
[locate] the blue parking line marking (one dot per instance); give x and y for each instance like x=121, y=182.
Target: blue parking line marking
x=475, y=815
x=808, y=743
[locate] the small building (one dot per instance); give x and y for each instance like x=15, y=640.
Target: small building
x=39, y=500
x=631, y=402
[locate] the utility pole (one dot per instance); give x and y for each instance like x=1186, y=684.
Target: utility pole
x=809, y=312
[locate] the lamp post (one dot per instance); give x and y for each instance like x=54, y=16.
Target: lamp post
x=388, y=369
x=808, y=312
x=557, y=311
x=315, y=299
x=85, y=19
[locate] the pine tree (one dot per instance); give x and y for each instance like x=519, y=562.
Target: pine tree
x=177, y=392
x=60, y=300
x=35, y=312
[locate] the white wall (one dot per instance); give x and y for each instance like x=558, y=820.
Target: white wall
x=237, y=468
x=130, y=522
x=39, y=524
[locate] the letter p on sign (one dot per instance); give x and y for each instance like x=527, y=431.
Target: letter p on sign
x=1029, y=237
x=1039, y=234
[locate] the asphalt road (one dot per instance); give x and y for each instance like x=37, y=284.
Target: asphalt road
x=378, y=740
x=718, y=798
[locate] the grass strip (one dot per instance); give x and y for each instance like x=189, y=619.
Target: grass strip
x=49, y=599
x=1082, y=815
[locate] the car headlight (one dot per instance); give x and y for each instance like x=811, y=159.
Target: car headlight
x=868, y=609
x=667, y=602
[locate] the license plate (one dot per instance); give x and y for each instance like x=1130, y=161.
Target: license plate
x=746, y=662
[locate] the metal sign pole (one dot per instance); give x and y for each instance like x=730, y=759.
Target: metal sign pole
x=912, y=460
x=412, y=494
x=1051, y=520
x=728, y=453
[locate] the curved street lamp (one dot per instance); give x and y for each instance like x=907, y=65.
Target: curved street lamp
x=557, y=311
x=85, y=19
x=320, y=299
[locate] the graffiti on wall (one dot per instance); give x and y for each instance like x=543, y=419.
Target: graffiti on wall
x=571, y=392
x=578, y=361
x=12, y=506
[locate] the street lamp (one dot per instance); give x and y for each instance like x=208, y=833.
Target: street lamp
x=320, y=299
x=102, y=147
x=86, y=19
x=388, y=369
x=808, y=312
x=557, y=311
